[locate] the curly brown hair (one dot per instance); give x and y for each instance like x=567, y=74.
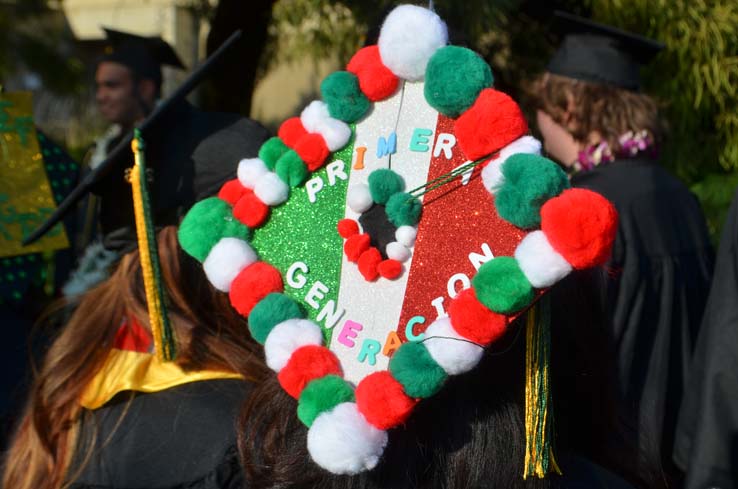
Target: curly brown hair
x=596, y=107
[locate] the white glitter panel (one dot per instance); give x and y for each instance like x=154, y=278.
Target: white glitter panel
x=373, y=308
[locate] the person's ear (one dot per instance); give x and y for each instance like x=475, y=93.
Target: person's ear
x=147, y=90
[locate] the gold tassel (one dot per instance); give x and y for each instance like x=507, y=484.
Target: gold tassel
x=539, y=455
x=149, y=257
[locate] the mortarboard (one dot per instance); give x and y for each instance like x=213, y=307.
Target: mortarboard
x=143, y=55
x=600, y=53
x=389, y=233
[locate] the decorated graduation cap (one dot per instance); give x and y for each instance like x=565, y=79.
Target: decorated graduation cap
x=143, y=55
x=392, y=231
x=600, y=53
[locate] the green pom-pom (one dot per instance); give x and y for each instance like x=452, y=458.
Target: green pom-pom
x=322, y=395
x=502, y=287
x=270, y=152
x=403, y=209
x=291, y=169
x=384, y=183
x=270, y=311
x=530, y=180
x=205, y=224
x=413, y=367
x=345, y=100
x=453, y=79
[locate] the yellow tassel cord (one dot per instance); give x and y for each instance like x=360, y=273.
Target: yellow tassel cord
x=149, y=256
x=539, y=456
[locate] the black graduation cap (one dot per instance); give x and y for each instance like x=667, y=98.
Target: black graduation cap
x=143, y=55
x=601, y=53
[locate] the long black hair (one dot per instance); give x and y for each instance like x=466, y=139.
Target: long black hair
x=471, y=434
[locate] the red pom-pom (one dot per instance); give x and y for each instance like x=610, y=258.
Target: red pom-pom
x=382, y=401
x=291, y=131
x=472, y=320
x=312, y=150
x=307, y=363
x=252, y=284
x=369, y=262
x=347, y=228
x=490, y=124
x=390, y=269
x=581, y=226
x=231, y=191
x=250, y=210
x=376, y=81
x=355, y=246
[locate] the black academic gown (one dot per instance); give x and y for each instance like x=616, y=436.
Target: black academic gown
x=707, y=434
x=183, y=437
x=189, y=155
x=658, y=279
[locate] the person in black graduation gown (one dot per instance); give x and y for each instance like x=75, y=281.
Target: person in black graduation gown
x=706, y=445
x=102, y=412
x=596, y=123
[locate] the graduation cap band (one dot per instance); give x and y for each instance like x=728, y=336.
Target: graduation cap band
x=600, y=53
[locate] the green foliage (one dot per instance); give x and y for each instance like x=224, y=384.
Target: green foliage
x=35, y=38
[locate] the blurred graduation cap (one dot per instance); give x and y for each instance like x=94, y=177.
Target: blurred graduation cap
x=143, y=55
x=601, y=53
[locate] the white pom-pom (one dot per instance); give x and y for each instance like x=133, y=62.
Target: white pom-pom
x=226, y=259
x=454, y=353
x=359, y=198
x=343, y=442
x=288, y=336
x=525, y=144
x=492, y=176
x=540, y=263
x=250, y=170
x=313, y=115
x=335, y=133
x=271, y=189
x=397, y=251
x=406, y=235
x=409, y=37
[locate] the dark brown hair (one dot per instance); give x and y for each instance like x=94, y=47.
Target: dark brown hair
x=209, y=334
x=471, y=434
x=595, y=107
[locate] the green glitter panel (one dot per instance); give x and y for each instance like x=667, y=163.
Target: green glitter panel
x=306, y=232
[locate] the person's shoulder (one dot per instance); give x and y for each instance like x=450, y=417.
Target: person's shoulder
x=182, y=435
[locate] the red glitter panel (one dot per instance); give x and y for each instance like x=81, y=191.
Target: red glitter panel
x=457, y=220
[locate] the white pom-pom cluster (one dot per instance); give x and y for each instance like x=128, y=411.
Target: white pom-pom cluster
x=454, y=353
x=315, y=118
x=271, y=190
x=359, y=199
x=409, y=37
x=288, y=336
x=250, y=170
x=406, y=235
x=492, y=173
x=398, y=251
x=226, y=260
x=540, y=263
x=343, y=442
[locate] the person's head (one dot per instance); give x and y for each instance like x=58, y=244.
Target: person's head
x=470, y=434
x=123, y=96
x=573, y=114
x=129, y=76
x=209, y=334
x=590, y=93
